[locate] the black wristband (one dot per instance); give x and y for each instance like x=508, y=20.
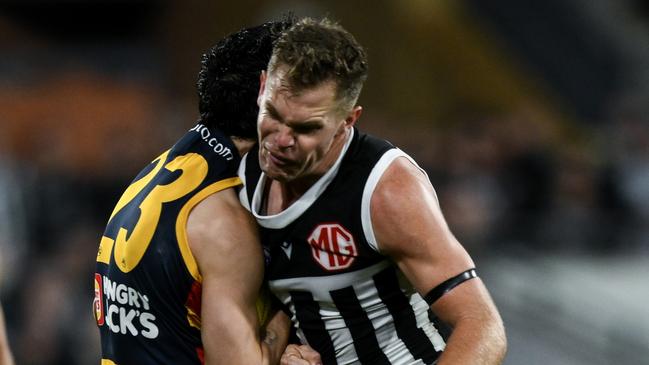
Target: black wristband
x=448, y=285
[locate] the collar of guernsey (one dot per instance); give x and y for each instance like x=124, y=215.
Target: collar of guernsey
x=290, y=214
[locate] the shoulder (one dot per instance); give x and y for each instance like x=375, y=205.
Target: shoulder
x=403, y=202
x=402, y=181
x=220, y=228
x=384, y=186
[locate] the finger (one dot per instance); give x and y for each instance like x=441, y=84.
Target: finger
x=292, y=349
x=291, y=355
x=305, y=350
x=308, y=353
x=293, y=360
x=285, y=359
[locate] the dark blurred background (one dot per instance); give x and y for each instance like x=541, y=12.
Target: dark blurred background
x=531, y=118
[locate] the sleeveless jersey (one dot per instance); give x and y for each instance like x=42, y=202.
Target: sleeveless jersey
x=147, y=283
x=347, y=301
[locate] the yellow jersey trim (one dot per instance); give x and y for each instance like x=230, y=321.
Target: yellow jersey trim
x=105, y=250
x=181, y=222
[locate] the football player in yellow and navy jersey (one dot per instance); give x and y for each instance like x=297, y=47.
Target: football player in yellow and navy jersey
x=179, y=266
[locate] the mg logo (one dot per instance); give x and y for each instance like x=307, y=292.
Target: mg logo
x=332, y=246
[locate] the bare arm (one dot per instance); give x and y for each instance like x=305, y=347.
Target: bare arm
x=275, y=336
x=5, y=351
x=223, y=239
x=293, y=354
x=411, y=229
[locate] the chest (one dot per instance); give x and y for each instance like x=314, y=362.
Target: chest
x=327, y=239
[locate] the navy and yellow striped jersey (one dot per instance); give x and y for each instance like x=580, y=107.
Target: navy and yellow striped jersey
x=147, y=283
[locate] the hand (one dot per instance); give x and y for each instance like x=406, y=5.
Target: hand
x=300, y=355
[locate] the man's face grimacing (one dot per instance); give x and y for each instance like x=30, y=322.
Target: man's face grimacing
x=300, y=133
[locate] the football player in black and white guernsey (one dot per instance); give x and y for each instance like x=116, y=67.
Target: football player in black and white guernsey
x=356, y=245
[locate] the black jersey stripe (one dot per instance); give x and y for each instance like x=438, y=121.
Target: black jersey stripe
x=307, y=311
x=405, y=322
x=359, y=325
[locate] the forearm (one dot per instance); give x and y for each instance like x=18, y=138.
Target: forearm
x=275, y=338
x=475, y=342
x=5, y=355
x=5, y=351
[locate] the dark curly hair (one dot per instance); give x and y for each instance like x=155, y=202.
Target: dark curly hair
x=228, y=82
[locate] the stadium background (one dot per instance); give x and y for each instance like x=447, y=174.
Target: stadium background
x=531, y=118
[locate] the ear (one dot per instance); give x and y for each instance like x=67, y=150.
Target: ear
x=353, y=116
x=262, y=86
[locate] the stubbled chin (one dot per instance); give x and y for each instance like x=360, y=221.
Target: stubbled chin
x=281, y=177
x=273, y=172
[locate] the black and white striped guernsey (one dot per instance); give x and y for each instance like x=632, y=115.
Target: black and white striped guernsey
x=347, y=301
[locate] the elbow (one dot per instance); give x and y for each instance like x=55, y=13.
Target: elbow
x=495, y=340
x=499, y=341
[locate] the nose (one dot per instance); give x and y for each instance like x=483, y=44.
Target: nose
x=284, y=137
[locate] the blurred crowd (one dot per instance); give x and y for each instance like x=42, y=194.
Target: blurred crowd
x=517, y=182
x=510, y=181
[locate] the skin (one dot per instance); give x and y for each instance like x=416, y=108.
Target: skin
x=302, y=135
x=5, y=352
x=230, y=260
x=300, y=355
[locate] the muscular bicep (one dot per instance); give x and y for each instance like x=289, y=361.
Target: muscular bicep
x=223, y=239
x=410, y=228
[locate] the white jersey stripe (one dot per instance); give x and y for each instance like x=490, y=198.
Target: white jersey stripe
x=320, y=286
x=420, y=307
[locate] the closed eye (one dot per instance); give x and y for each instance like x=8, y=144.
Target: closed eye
x=272, y=112
x=306, y=128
